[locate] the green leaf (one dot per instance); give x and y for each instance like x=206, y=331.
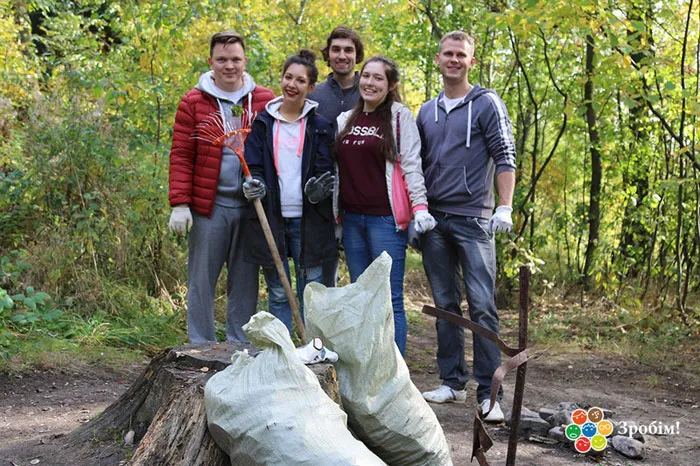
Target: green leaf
x=42, y=297
x=638, y=25
x=29, y=302
x=7, y=302
x=53, y=315
x=236, y=111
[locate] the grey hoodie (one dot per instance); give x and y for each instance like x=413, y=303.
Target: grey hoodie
x=228, y=192
x=462, y=151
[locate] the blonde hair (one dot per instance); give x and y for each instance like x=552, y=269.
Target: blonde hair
x=458, y=35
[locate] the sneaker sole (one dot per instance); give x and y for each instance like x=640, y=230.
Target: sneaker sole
x=443, y=402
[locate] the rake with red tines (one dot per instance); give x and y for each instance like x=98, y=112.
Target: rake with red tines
x=232, y=133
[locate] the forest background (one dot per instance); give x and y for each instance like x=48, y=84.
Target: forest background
x=603, y=97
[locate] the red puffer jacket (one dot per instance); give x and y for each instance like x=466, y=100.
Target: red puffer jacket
x=194, y=163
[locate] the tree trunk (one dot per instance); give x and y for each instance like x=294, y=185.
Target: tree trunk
x=596, y=166
x=165, y=409
x=635, y=236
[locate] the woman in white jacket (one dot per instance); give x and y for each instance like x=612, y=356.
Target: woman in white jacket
x=367, y=152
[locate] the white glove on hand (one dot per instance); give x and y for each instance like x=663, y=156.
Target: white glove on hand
x=180, y=220
x=501, y=222
x=314, y=352
x=338, y=230
x=424, y=221
x=254, y=189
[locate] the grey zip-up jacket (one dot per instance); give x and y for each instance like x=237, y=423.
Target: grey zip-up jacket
x=463, y=150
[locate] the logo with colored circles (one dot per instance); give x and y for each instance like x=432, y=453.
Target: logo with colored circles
x=589, y=430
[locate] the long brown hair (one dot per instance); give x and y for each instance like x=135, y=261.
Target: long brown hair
x=383, y=110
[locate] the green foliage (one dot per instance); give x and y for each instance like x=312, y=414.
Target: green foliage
x=89, y=95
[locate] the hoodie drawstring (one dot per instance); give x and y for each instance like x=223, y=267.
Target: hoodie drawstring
x=250, y=109
x=469, y=124
x=221, y=110
x=300, y=149
x=469, y=119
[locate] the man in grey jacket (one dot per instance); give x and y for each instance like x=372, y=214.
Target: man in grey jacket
x=466, y=140
x=339, y=93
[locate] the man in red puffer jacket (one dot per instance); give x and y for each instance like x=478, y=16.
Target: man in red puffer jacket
x=206, y=195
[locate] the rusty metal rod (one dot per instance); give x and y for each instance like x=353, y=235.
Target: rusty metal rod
x=520, y=377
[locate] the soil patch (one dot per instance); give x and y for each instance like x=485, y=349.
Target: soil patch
x=38, y=407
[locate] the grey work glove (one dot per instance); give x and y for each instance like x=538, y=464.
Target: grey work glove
x=180, y=220
x=317, y=189
x=501, y=221
x=414, y=238
x=424, y=221
x=254, y=189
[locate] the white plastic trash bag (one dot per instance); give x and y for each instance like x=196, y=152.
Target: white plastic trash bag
x=385, y=410
x=271, y=409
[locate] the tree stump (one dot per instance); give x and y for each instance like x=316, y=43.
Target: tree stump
x=165, y=408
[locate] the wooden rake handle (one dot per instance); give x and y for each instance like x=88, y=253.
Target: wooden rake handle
x=296, y=315
x=260, y=211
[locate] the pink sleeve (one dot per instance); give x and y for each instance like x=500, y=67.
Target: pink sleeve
x=418, y=207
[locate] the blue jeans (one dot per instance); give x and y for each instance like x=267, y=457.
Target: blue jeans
x=364, y=239
x=278, y=303
x=465, y=243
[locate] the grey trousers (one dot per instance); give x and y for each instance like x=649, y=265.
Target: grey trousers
x=213, y=242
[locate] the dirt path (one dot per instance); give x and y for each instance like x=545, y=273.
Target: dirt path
x=40, y=406
x=586, y=378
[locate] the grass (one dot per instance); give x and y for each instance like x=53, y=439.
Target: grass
x=136, y=324
x=650, y=336
x=51, y=353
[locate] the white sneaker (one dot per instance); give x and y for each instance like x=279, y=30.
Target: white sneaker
x=496, y=414
x=445, y=394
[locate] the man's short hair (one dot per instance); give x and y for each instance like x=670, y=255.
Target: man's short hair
x=225, y=37
x=458, y=35
x=344, y=32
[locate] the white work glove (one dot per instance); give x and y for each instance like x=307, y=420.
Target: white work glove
x=254, y=189
x=314, y=352
x=338, y=231
x=501, y=222
x=424, y=221
x=180, y=220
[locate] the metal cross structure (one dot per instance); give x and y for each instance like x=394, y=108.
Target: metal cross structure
x=518, y=359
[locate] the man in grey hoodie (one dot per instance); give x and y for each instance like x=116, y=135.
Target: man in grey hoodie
x=206, y=192
x=466, y=140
